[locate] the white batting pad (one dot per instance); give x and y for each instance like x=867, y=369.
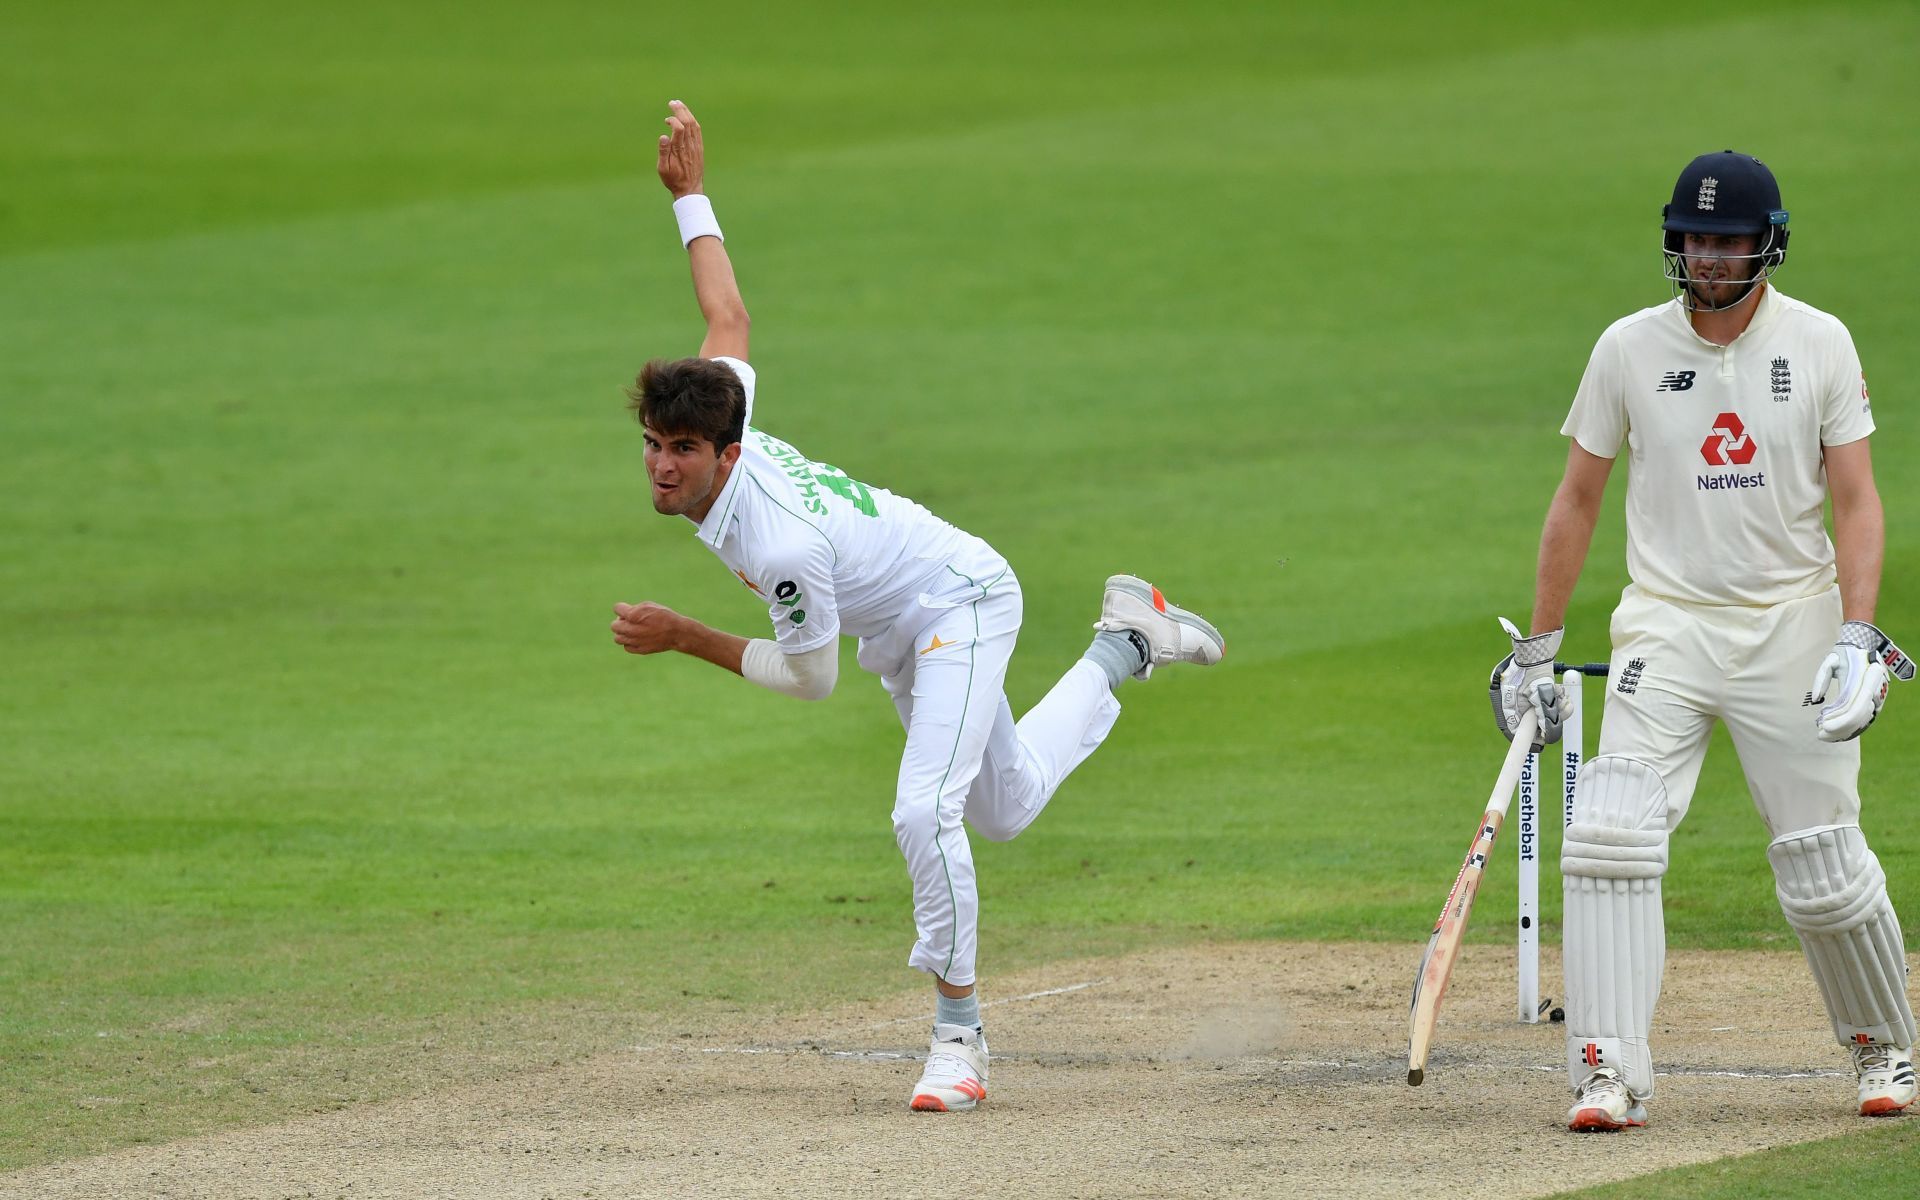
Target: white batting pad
x=1611, y=861
x=1835, y=896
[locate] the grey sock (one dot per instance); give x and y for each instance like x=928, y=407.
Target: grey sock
x=964, y=1011
x=1118, y=654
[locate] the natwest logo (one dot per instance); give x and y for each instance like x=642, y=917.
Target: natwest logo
x=1728, y=444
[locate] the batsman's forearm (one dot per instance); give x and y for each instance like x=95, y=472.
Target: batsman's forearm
x=1859, y=549
x=712, y=645
x=1563, y=552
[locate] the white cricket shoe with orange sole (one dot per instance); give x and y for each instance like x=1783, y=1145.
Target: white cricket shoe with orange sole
x=1886, y=1079
x=1172, y=633
x=1603, y=1105
x=956, y=1075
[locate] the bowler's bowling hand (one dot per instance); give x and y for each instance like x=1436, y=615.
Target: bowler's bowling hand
x=646, y=628
x=683, y=160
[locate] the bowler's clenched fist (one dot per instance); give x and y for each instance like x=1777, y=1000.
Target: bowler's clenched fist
x=646, y=628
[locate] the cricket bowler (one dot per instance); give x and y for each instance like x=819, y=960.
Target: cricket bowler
x=1742, y=413
x=936, y=611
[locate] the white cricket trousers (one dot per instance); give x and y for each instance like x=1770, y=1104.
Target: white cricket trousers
x=945, y=665
x=1677, y=666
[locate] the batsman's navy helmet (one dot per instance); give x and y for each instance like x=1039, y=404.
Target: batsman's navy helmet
x=1727, y=194
x=1724, y=193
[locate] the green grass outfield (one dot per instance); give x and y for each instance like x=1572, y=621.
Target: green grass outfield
x=319, y=777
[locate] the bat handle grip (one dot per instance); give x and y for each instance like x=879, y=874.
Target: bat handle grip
x=1590, y=670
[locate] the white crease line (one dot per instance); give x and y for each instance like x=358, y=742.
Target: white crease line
x=1059, y=991
x=1250, y=1060
x=1683, y=1071
x=1760, y=1074
x=886, y=1055
x=1039, y=995
x=1688, y=1072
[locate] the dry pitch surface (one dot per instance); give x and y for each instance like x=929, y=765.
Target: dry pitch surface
x=1235, y=1070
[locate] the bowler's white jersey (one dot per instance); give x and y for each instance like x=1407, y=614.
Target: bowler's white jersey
x=828, y=554
x=1727, y=487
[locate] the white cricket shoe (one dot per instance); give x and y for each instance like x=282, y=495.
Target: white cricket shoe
x=956, y=1075
x=1886, y=1078
x=1602, y=1105
x=1172, y=633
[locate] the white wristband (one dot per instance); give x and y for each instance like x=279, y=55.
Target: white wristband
x=695, y=214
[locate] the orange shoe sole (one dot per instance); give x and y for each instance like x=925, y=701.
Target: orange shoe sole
x=931, y=1103
x=1596, y=1120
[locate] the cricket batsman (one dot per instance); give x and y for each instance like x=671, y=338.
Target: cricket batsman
x=1742, y=413
x=936, y=611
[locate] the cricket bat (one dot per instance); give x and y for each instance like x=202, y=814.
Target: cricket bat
x=1444, y=946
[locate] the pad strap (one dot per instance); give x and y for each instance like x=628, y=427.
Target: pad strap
x=1606, y=852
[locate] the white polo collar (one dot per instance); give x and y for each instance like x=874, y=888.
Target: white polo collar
x=1763, y=315
x=713, y=530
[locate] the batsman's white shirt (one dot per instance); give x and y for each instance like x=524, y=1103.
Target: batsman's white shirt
x=1727, y=485
x=829, y=554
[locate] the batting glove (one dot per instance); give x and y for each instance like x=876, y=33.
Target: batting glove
x=1855, y=672
x=1523, y=680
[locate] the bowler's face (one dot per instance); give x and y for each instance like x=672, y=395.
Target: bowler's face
x=681, y=468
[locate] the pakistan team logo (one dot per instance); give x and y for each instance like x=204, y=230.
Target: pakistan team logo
x=787, y=596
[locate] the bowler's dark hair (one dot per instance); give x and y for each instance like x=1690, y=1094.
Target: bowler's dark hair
x=690, y=396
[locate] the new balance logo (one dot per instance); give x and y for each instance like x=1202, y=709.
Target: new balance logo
x=1675, y=381
x=1630, y=678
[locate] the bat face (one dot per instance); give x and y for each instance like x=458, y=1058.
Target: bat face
x=1436, y=967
